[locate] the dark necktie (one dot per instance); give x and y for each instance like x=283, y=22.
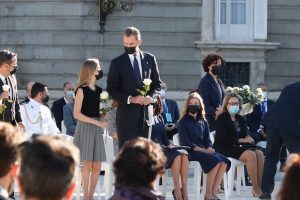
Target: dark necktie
x=6, y=81
x=136, y=70
x=264, y=107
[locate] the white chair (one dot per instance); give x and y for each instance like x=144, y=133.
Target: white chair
x=106, y=166
x=197, y=171
x=238, y=167
x=164, y=183
x=63, y=127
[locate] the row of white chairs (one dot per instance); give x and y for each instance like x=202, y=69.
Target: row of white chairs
x=237, y=167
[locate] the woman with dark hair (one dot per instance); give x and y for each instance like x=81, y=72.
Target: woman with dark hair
x=177, y=157
x=194, y=132
x=136, y=168
x=290, y=186
x=211, y=88
x=231, y=137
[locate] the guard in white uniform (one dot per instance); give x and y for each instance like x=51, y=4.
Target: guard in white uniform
x=37, y=117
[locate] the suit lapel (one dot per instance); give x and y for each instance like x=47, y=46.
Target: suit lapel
x=214, y=83
x=12, y=87
x=146, y=71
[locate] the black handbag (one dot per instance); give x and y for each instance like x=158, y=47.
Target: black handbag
x=248, y=146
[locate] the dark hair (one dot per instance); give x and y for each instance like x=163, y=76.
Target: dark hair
x=6, y=56
x=65, y=84
x=48, y=167
x=37, y=88
x=290, y=186
x=211, y=58
x=10, y=138
x=138, y=163
x=129, y=31
x=158, y=107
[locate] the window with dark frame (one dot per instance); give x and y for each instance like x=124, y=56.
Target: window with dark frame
x=236, y=74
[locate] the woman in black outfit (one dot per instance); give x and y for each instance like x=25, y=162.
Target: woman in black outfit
x=177, y=157
x=231, y=133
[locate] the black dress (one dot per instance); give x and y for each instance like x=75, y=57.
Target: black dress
x=159, y=135
x=228, y=133
x=195, y=133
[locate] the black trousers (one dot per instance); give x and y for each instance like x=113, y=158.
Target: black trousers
x=275, y=140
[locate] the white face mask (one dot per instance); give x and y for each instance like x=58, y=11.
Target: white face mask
x=265, y=94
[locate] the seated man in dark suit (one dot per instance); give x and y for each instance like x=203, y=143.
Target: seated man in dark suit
x=254, y=121
x=10, y=138
x=170, y=113
x=58, y=105
x=69, y=121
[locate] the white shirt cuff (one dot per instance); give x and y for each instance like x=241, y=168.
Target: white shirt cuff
x=128, y=99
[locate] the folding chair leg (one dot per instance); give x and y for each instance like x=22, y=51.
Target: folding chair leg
x=197, y=181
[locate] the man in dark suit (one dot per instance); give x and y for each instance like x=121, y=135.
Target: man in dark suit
x=28, y=91
x=9, y=93
x=10, y=139
x=254, y=119
x=211, y=88
x=283, y=127
x=58, y=105
x=125, y=76
x=170, y=113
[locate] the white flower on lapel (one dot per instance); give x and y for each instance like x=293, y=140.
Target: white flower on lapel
x=147, y=81
x=5, y=88
x=104, y=95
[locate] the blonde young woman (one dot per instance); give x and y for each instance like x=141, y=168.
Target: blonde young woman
x=194, y=132
x=89, y=129
x=231, y=133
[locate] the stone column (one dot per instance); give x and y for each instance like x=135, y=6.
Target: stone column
x=208, y=22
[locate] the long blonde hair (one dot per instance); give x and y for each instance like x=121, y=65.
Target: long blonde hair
x=184, y=110
x=87, y=70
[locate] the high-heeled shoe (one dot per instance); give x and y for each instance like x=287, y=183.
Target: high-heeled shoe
x=206, y=198
x=173, y=193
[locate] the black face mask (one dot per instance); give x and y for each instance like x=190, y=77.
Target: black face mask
x=46, y=99
x=217, y=70
x=193, y=109
x=130, y=50
x=14, y=70
x=100, y=75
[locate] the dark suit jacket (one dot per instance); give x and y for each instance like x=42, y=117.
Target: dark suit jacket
x=12, y=112
x=173, y=110
x=285, y=113
x=26, y=100
x=254, y=120
x=69, y=120
x=121, y=83
x=226, y=133
x=212, y=98
x=57, y=110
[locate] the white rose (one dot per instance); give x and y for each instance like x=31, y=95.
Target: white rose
x=5, y=88
x=259, y=91
x=104, y=95
x=246, y=87
x=229, y=89
x=147, y=81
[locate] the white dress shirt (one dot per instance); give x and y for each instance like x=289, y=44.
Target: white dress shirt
x=37, y=119
x=3, y=192
x=9, y=84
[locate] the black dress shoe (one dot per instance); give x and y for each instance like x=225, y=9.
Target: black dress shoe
x=265, y=196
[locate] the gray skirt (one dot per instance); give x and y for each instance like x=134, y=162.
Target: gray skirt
x=89, y=139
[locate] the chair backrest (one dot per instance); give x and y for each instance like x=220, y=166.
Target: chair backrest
x=63, y=127
x=109, y=147
x=176, y=139
x=212, y=136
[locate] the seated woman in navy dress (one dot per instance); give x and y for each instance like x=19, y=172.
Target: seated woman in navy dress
x=194, y=132
x=177, y=157
x=231, y=134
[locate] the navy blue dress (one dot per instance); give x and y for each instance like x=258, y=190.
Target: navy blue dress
x=195, y=133
x=159, y=135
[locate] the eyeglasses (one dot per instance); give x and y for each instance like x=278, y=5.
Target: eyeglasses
x=233, y=103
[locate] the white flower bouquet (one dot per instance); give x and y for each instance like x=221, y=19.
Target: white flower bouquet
x=249, y=97
x=146, y=87
x=104, y=103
